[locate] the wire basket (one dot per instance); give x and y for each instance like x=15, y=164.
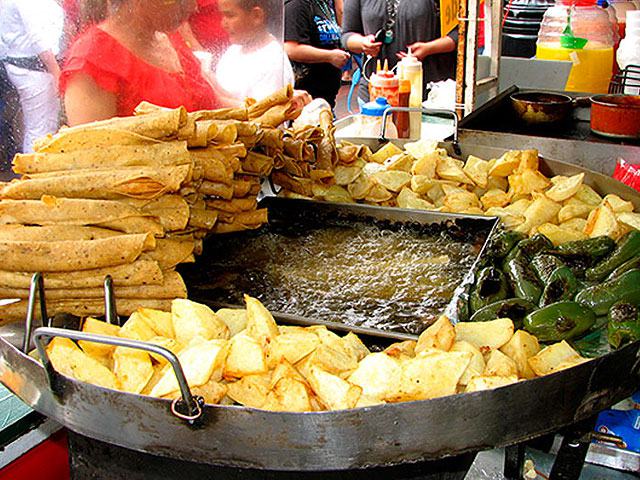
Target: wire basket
x=626, y=81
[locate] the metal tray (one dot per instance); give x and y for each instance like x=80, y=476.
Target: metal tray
x=299, y=216
x=373, y=436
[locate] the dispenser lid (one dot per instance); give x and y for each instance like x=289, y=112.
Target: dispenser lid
x=376, y=108
x=410, y=60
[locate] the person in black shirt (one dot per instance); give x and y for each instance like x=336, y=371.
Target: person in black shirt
x=312, y=42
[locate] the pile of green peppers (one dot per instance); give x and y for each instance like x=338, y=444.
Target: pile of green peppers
x=559, y=293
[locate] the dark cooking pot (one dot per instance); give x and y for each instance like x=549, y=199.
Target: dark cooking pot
x=540, y=108
x=616, y=116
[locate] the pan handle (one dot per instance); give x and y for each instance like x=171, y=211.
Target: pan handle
x=440, y=111
x=189, y=403
x=581, y=102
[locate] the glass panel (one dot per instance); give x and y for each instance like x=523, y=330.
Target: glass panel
x=129, y=51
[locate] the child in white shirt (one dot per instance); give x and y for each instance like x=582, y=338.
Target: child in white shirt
x=255, y=65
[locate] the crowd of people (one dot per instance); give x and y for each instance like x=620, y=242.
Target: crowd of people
x=76, y=61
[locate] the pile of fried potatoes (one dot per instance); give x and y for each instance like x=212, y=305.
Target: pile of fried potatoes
x=243, y=357
x=511, y=187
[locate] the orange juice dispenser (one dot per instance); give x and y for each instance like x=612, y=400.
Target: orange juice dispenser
x=580, y=32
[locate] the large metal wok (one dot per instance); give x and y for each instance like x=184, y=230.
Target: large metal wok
x=373, y=436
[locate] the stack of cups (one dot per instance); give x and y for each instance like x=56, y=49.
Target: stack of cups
x=629, y=51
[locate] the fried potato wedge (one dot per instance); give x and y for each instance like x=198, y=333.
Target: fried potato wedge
x=441, y=335
x=555, y=358
x=485, y=336
x=520, y=348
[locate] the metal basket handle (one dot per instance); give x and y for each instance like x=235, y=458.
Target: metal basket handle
x=440, y=111
x=192, y=404
x=36, y=290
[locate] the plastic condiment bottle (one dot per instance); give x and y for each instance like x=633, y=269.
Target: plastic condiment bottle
x=629, y=49
x=580, y=32
x=401, y=119
x=410, y=68
x=384, y=83
x=370, y=120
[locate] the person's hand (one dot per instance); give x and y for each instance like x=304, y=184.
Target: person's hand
x=300, y=99
x=420, y=50
x=370, y=46
x=338, y=58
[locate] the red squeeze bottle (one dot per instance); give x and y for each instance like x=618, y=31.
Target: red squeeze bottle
x=401, y=119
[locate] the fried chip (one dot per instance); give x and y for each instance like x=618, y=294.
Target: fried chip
x=499, y=365
x=260, y=322
x=389, y=150
x=477, y=170
x=432, y=374
x=488, y=383
x=558, y=235
x=564, y=187
x=378, y=375
x=68, y=359
x=234, y=318
x=520, y=348
x=485, y=336
x=192, y=320
x=200, y=360
x=245, y=357
x=441, y=335
x=333, y=391
x=346, y=175
x=132, y=368
x=451, y=169
x=393, y=180
x=476, y=363
x=407, y=198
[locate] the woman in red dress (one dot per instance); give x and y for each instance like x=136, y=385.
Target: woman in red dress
x=131, y=56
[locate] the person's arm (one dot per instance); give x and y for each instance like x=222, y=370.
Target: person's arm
x=339, y=6
x=445, y=44
x=423, y=49
x=302, y=53
x=86, y=102
x=51, y=64
x=366, y=44
x=353, y=36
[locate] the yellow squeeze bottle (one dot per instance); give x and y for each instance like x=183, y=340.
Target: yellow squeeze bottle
x=410, y=68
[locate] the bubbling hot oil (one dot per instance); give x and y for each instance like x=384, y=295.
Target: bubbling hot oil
x=388, y=279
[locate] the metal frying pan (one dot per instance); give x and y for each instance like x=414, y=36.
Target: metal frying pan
x=379, y=435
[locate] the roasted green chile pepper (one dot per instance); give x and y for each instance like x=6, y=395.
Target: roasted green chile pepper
x=625, y=267
x=502, y=243
x=514, y=308
x=624, y=324
x=559, y=321
x=544, y=265
x=625, y=288
x=529, y=247
x=490, y=287
x=522, y=279
x=592, y=248
x=560, y=286
x=627, y=248
x=534, y=245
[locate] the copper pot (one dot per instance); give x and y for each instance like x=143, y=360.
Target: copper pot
x=540, y=108
x=616, y=116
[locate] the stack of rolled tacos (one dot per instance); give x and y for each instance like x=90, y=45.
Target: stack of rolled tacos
x=311, y=158
x=132, y=197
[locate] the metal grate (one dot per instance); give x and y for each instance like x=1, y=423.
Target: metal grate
x=626, y=81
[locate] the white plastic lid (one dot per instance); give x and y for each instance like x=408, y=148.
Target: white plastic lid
x=410, y=61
